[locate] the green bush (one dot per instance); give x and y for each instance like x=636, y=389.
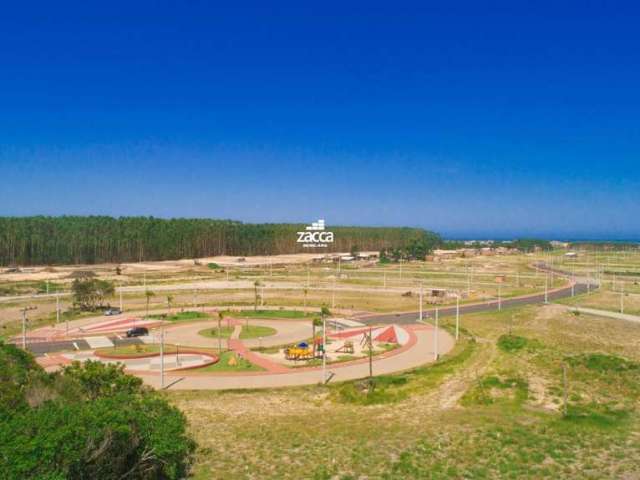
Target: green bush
x=603, y=363
x=87, y=421
x=511, y=343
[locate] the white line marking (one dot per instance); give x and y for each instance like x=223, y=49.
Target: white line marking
x=76, y=346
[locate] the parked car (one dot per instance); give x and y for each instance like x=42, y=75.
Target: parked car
x=137, y=332
x=112, y=311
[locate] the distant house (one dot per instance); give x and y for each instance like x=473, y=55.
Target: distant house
x=571, y=255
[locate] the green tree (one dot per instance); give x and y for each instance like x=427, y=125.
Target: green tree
x=169, y=302
x=90, y=293
x=86, y=421
x=148, y=294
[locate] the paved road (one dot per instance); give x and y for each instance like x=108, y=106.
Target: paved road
x=419, y=353
x=411, y=317
x=581, y=286
x=40, y=348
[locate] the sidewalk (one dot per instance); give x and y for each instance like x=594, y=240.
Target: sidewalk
x=606, y=313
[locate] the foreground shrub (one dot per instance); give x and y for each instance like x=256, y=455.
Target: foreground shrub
x=89, y=421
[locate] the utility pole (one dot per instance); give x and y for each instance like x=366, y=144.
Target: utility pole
x=262, y=295
x=565, y=388
x=370, y=357
x=121, y=307
x=333, y=294
x=420, y=302
x=24, y=325
x=324, y=349
x=435, y=337
x=499, y=299
x=546, y=289
x=162, y=358
x=622, y=297
x=457, y=316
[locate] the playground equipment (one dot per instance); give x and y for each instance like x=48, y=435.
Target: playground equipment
x=301, y=351
x=346, y=348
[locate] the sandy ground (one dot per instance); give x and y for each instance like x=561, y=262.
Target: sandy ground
x=38, y=273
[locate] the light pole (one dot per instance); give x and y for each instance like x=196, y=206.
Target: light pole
x=162, y=358
x=121, y=307
x=546, y=289
x=333, y=294
x=622, y=298
x=24, y=325
x=324, y=348
x=457, y=316
x=420, y=302
x=435, y=337
x=57, y=308
x=499, y=298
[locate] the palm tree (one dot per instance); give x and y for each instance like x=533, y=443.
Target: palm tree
x=256, y=284
x=148, y=294
x=169, y=301
x=315, y=322
x=305, y=291
x=220, y=317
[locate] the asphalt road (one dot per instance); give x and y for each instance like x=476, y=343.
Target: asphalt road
x=40, y=348
x=412, y=317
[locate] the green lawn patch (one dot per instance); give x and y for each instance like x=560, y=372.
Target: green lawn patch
x=225, y=332
x=256, y=331
x=269, y=314
x=241, y=365
x=181, y=316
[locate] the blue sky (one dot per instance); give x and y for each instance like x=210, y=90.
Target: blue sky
x=474, y=119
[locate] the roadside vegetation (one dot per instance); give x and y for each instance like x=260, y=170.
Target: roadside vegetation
x=91, y=421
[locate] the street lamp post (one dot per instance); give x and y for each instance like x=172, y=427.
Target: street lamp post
x=324, y=349
x=435, y=337
x=24, y=325
x=546, y=289
x=457, y=316
x=420, y=306
x=162, y=358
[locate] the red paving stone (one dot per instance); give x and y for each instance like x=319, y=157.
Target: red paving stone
x=270, y=367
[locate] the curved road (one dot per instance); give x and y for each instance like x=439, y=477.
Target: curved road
x=538, y=298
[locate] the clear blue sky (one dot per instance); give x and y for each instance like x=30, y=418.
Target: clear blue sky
x=475, y=119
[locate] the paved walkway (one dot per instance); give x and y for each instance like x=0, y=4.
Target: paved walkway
x=419, y=351
x=606, y=313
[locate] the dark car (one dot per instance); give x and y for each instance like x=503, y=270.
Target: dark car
x=112, y=311
x=137, y=332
